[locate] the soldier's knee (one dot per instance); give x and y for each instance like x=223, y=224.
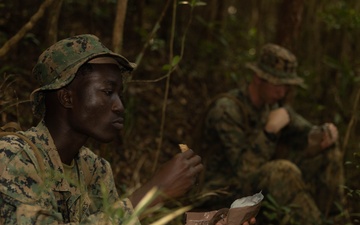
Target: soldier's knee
x=280, y=173
x=284, y=167
x=335, y=154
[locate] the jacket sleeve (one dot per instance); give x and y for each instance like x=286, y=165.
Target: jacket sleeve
x=295, y=135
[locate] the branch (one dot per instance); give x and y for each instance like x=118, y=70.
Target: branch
x=153, y=32
x=353, y=120
x=118, y=29
x=168, y=75
x=28, y=26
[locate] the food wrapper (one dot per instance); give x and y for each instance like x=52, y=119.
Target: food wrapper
x=241, y=210
x=199, y=218
x=244, y=209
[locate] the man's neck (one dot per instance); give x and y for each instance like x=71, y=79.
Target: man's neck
x=68, y=143
x=254, y=95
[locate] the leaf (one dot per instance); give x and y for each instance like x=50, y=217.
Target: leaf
x=175, y=61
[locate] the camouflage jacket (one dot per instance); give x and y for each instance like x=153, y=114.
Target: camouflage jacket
x=31, y=196
x=236, y=142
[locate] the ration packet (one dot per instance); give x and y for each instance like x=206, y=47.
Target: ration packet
x=241, y=210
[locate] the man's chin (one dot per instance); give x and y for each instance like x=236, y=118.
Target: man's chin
x=274, y=101
x=106, y=139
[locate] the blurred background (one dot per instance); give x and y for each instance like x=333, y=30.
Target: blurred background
x=187, y=52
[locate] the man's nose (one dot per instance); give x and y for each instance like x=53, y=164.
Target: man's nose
x=118, y=106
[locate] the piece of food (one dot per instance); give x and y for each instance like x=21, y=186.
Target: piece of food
x=183, y=147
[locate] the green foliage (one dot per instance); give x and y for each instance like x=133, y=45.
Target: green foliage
x=341, y=15
x=278, y=214
x=193, y=3
x=175, y=61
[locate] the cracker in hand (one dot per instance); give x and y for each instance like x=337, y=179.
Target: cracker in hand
x=183, y=147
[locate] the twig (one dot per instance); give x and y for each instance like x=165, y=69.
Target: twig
x=353, y=120
x=28, y=26
x=155, y=28
x=172, y=68
x=167, y=87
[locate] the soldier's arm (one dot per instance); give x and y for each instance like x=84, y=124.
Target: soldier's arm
x=244, y=146
x=296, y=134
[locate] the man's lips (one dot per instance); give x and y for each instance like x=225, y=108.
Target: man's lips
x=118, y=124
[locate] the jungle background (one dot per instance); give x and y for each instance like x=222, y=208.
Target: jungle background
x=187, y=52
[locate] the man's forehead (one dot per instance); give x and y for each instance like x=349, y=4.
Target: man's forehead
x=104, y=60
x=101, y=74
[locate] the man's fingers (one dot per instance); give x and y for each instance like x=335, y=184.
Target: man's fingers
x=330, y=131
x=198, y=168
x=194, y=160
x=188, y=153
x=253, y=220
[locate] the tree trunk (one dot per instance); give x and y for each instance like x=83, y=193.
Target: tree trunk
x=53, y=21
x=288, y=23
x=118, y=31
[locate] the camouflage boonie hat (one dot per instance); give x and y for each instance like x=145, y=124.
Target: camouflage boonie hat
x=57, y=65
x=276, y=65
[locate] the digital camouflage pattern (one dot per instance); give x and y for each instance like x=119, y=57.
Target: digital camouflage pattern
x=56, y=195
x=57, y=65
x=277, y=65
x=242, y=158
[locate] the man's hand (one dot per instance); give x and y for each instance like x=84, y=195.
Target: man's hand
x=277, y=120
x=252, y=221
x=330, y=135
x=174, y=178
x=321, y=138
x=179, y=174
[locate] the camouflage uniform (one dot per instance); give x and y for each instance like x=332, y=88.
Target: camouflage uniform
x=35, y=187
x=242, y=157
x=29, y=196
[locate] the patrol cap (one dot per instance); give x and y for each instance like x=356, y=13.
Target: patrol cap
x=277, y=65
x=57, y=65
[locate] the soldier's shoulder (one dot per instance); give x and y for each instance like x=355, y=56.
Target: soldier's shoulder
x=230, y=98
x=228, y=102
x=11, y=146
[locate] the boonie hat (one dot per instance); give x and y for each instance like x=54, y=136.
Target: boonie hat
x=57, y=65
x=277, y=65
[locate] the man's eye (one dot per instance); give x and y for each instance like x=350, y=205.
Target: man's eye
x=108, y=92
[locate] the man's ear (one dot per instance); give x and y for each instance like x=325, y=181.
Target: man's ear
x=257, y=79
x=65, y=97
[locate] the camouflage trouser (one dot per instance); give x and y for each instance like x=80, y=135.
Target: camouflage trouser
x=311, y=185
x=324, y=175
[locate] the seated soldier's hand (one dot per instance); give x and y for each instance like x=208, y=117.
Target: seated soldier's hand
x=251, y=222
x=330, y=135
x=277, y=120
x=179, y=174
x=224, y=222
x=321, y=138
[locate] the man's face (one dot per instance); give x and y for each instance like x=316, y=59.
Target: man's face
x=97, y=109
x=271, y=93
